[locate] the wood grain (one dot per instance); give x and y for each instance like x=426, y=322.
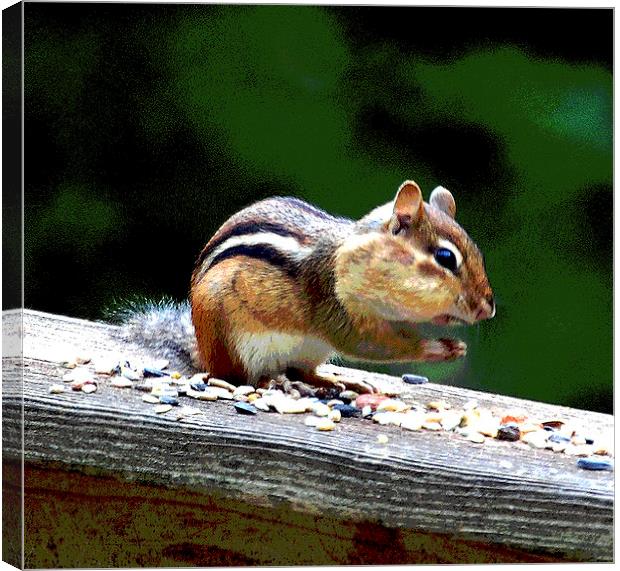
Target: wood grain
x=506, y=495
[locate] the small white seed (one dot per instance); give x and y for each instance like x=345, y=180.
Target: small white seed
x=161, y=408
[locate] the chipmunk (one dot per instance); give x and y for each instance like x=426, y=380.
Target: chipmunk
x=283, y=285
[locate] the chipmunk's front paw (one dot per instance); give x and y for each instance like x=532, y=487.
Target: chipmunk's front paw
x=442, y=349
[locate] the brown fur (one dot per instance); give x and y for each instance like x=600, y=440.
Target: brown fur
x=361, y=289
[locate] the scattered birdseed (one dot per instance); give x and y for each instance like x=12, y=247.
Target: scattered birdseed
x=82, y=359
x=160, y=364
x=438, y=405
x=578, y=440
x=161, y=408
x=369, y=399
x=348, y=396
x=198, y=386
x=556, y=446
x=603, y=448
x=433, y=417
x=392, y=405
x=347, y=411
x=151, y=399
x=470, y=417
x=220, y=393
x=334, y=415
x=121, y=383
x=388, y=417
x=106, y=366
x=56, y=389
x=509, y=432
x=412, y=420
x=488, y=428
x=143, y=387
x=527, y=427
x=451, y=419
x=536, y=439
x=514, y=415
x=199, y=378
x=78, y=374
x=594, y=464
x=243, y=390
x=185, y=411
x=324, y=424
x=245, y=408
x=213, y=382
x=164, y=389
x=554, y=424
x=69, y=362
x=332, y=403
x=164, y=399
x=78, y=384
x=285, y=405
x=382, y=439
x=414, y=379
x=473, y=436
x=320, y=409
x=262, y=404
x=201, y=395
x=582, y=450
x=432, y=426
x=130, y=374
x=558, y=438
x=367, y=411
x=90, y=388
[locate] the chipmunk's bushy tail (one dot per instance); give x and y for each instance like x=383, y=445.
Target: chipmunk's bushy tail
x=164, y=327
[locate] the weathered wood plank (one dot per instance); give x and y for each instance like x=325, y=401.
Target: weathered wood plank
x=501, y=494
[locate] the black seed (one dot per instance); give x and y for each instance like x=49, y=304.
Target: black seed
x=558, y=438
x=144, y=387
x=592, y=464
x=414, y=379
x=169, y=400
x=198, y=386
x=508, y=432
x=549, y=428
x=245, y=408
x=347, y=411
x=150, y=372
x=589, y=440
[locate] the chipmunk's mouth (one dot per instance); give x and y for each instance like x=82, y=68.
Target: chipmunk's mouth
x=447, y=319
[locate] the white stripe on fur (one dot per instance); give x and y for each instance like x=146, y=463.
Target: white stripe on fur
x=285, y=244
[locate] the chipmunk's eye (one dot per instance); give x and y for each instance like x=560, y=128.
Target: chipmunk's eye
x=446, y=258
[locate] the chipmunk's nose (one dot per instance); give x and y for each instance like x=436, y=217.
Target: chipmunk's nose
x=486, y=309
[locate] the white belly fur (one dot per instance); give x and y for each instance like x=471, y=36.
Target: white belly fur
x=272, y=353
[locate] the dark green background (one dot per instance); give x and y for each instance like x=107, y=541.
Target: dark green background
x=147, y=126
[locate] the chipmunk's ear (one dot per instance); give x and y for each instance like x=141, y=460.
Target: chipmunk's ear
x=442, y=199
x=408, y=207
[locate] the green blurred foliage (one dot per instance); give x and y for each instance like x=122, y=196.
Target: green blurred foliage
x=274, y=98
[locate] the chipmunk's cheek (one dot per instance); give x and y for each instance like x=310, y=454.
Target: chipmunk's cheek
x=426, y=298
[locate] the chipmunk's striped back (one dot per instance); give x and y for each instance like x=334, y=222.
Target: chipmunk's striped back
x=281, y=231
x=247, y=296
